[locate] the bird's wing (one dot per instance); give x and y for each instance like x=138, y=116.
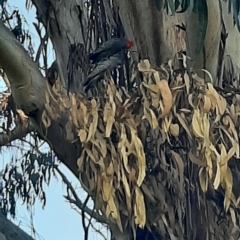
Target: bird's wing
x=105, y=47
x=99, y=50
x=102, y=66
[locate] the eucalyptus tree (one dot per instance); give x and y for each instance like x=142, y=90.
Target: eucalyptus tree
x=155, y=142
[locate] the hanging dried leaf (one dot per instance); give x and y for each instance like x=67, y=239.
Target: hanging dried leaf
x=187, y=82
x=109, y=115
x=46, y=120
x=141, y=160
x=182, y=121
x=150, y=116
x=82, y=135
x=227, y=185
x=166, y=96
x=203, y=178
x=197, y=124
x=144, y=66
x=174, y=129
x=127, y=191
x=139, y=209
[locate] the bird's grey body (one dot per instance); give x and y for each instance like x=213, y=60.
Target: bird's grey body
x=108, y=49
x=99, y=70
x=108, y=56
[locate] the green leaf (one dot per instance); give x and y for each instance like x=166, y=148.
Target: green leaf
x=177, y=4
x=166, y=6
x=236, y=13
x=159, y=4
x=172, y=6
x=184, y=6
x=229, y=5
x=202, y=9
x=192, y=5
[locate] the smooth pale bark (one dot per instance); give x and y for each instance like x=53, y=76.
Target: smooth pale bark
x=232, y=43
x=27, y=83
x=158, y=39
x=208, y=58
x=155, y=33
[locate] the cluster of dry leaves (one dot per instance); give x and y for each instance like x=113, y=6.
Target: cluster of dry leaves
x=137, y=148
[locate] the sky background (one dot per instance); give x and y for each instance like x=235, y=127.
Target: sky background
x=58, y=221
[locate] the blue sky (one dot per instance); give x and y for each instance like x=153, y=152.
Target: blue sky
x=58, y=221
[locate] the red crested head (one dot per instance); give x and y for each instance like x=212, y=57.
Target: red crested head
x=129, y=44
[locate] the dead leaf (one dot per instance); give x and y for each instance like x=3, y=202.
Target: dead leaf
x=187, y=82
x=184, y=124
x=203, y=179
x=46, y=120
x=150, y=116
x=174, y=129
x=139, y=209
x=166, y=96
x=144, y=66
x=227, y=185
x=82, y=135
x=109, y=115
x=141, y=159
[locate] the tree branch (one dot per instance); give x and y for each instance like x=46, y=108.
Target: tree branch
x=27, y=83
x=28, y=88
x=77, y=200
x=20, y=131
x=12, y=231
x=118, y=234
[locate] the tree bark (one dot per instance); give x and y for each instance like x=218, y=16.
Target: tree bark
x=153, y=31
x=208, y=57
x=10, y=231
x=65, y=23
x=27, y=83
x=28, y=87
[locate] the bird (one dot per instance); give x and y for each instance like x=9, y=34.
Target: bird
x=98, y=71
x=107, y=57
x=110, y=48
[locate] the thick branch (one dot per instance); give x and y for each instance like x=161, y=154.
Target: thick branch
x=12, y=231
x=27, y=83
x=20, y=131
x=28, y=88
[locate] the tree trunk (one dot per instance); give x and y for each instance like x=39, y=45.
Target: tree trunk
x=209, y=56
x=154, y=32
x=156, y=38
